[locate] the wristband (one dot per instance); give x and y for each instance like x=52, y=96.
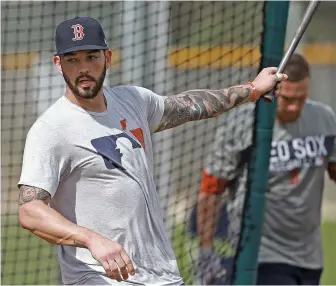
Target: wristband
x=254, y=96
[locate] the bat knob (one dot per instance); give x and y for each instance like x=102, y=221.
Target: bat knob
x=267, y=98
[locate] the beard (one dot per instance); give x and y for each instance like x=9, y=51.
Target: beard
x=86, y=92
x=289, y=117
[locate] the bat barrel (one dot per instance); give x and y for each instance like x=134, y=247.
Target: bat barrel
x=298, y=35
x=295, y=41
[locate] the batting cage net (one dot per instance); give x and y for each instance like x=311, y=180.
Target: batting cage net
x=167, y=47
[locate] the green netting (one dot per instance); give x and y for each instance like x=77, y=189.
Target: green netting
x=168, y=47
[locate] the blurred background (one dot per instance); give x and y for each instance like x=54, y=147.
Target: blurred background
x=168, y=47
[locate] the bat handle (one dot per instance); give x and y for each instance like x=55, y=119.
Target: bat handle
x=269, y=97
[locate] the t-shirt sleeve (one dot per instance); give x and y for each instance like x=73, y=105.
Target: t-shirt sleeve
x=43, y=158
x=154, y=106
x=333, y=152
x=332, y=157
x=233, y=136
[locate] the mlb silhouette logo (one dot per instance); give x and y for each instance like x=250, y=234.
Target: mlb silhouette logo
x=111, y=151
x=78, y=30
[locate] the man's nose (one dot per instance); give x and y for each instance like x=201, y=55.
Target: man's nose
x=84, y=68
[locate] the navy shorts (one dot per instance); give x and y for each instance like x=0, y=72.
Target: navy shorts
x=284, y=274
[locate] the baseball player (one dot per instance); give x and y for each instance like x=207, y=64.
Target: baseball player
x=87, y=174
x=303, y=148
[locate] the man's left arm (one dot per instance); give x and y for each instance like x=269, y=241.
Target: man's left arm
x=332, y=158
x=201, y=104
x=204, y=103
x=332, y=161
x=332, y=171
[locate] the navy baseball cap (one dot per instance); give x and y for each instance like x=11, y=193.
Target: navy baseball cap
x=79, y=34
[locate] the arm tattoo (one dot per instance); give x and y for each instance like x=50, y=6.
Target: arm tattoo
x=201, y=104
x=28, y=194
x=78, y=244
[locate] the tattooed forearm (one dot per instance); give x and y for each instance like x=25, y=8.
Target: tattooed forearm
x=201, y=104
x=78, y=244
x=28, y=194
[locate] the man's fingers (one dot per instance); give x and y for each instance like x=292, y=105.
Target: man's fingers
x=128, y=262
x=114, y=269
x=122, y=266
x=107, y=269
x=272, y=70
x=277, y=89
x=281, y=77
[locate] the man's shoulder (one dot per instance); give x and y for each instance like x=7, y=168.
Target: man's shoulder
x=50, y=118
x=131, y=90
x=132, y=96
x=313, y=107
x=43, y=130
x=320, y=116
x=128, y=90
x=117, y=88
x=318, y=106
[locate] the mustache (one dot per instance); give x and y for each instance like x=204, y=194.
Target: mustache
x=86, y=77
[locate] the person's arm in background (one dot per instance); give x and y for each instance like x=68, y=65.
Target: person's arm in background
x=207, y=208
x=232, y=136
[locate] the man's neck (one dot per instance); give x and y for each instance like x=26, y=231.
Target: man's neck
x=278, y=120
x=284, y=122
x=97, y=104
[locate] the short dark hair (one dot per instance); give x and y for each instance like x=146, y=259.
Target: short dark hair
x=297, y=68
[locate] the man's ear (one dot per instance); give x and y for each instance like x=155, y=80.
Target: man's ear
x=108, y=58
x=57, y=62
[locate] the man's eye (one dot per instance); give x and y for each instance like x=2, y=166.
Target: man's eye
x=71, y=60
x=92, y=57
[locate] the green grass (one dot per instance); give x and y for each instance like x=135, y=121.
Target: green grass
x=329, y=237
x=182, y=245
x=27, y=260
x=185, y=249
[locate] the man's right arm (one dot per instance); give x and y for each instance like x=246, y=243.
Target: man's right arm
x=36, y=216
x=47, y=159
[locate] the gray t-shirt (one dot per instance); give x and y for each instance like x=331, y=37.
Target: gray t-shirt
x=299, y=157
x=98, y=168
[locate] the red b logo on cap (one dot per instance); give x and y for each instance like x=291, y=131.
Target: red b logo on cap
x=78, y=31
